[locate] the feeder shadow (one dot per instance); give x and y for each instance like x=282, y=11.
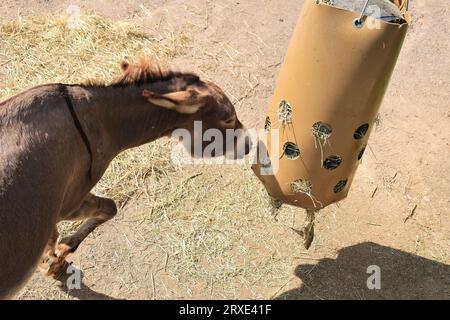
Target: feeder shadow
x=403, y=276
x=81, y=293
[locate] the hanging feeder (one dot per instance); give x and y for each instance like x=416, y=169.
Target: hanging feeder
x=327, y=97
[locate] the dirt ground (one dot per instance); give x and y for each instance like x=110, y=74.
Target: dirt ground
x=240, y=45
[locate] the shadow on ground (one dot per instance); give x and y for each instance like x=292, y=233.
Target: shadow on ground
x=81, y=293
x=403, y=276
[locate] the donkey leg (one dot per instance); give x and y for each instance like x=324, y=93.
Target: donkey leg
x=49, y=257
x=96, y=211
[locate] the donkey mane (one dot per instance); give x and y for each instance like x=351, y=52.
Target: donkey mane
x=143, y=72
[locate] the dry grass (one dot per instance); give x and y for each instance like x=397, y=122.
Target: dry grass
x=212, y=235
x=48, y=49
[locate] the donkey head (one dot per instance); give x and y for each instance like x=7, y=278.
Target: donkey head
x=205, y=111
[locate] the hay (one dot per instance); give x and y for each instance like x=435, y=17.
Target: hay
x=268, y=125
x=301, y=186
x=285, y=113
x=305, y=187
x=39, y=50
x=321, y=133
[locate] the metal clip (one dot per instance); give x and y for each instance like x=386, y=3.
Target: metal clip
x=358, y=22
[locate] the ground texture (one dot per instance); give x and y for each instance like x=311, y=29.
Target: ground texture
x=215, y=237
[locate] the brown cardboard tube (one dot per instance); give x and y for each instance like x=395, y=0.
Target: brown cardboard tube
x=334, y=77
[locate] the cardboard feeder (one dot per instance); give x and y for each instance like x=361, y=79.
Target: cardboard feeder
x=327, y=98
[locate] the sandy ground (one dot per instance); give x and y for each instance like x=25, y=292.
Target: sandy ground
x=240, y=45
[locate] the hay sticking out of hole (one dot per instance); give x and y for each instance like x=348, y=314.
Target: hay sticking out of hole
x=302, y=186
x=285, y=113
x=268, y=125
x=322, y=133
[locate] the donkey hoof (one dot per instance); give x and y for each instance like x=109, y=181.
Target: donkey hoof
x=63, y=250
x=52, y=266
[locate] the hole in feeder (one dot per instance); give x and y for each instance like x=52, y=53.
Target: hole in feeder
x=361, y=132
x=301, y=186
x=322, y=131
x=332, y=163
x=291, y=150
x=340, y=186
x=268, y=125
x=361, y=153
x=285, y=113
x=358, y=23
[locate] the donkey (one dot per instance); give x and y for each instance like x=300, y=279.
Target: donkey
x=57, y=140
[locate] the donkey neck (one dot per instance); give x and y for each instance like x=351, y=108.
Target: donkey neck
x=120, y=118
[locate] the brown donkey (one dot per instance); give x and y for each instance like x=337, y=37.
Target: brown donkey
x=56, y=141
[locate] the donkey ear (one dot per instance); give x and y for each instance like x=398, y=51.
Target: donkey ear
x=186, y=102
